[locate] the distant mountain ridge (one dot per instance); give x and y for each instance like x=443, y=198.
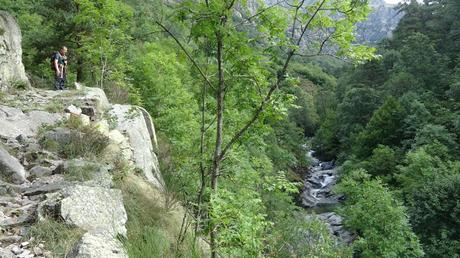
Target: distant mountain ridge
x=380, y=24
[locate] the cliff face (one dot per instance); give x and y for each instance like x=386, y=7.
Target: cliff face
x=381, y=21
x=380, y=24
x=11, y=67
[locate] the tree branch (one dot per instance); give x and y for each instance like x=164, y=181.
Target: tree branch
x=186, y=53
x=267, y=98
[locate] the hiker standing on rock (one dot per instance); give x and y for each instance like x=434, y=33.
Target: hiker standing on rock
x=59, y=65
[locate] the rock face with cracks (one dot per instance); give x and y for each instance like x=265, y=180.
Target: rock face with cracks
x=14, y=122
x=94, y=208
x=98, y=245
x=11, y=67
x=11, y=168
x=40, y=184
x=131, y=121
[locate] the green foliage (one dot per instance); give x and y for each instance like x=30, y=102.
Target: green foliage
x=103, y=38
x=18, y=84
x=326, y=142
x=434, y=211
x=421, y=167
x=382, y=163
x=380, y=220
x=303, y=237
x=383, y=128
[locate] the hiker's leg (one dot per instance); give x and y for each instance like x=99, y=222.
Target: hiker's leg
x=64, y=80
x=57, y=83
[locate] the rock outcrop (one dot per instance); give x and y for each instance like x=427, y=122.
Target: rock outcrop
x=97, y=245
x=14, y=122
x=130, y=121
x=11, y=67
x=11, y=168
x=44, y=174
x=94, y=208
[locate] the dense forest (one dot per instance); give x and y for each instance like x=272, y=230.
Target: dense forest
x=241, y=90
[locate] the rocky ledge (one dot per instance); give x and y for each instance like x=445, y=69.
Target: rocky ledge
x=47, y=174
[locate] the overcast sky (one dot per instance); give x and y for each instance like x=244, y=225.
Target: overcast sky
x=393, y=1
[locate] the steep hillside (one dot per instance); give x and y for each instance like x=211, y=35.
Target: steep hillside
x=78, y=175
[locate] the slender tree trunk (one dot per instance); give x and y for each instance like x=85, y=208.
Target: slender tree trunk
x=202, y=165
x=219, y=135
x=80, y=76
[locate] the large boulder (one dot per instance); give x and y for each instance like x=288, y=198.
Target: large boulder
x=95, y=97
x=14, y=122
x=97, y=245
x=131, y=122
x=11, y=168
x=11, y=67
x=94, y=208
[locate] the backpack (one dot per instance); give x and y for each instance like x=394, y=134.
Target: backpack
x=53, y=57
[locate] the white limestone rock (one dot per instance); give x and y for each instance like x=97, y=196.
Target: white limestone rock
x=13, y=122
x=11, y=67
x=94, y=208
x=131, y=122
x=97, y=245
x=10, y=167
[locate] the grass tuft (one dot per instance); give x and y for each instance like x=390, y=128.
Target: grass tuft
x=83, y=141
x=80, y=173
x=58, y=238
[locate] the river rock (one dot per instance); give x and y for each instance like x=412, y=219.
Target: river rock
x=11, y=67
x=336, y=227
x=131, y=122
x=97, y=245
x=94, y=208
x=10, y=167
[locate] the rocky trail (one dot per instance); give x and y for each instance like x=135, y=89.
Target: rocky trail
x=61, y=153
x=38, y=184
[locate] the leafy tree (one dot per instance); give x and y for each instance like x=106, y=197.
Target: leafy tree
x=102, y=37
x=355, y=111
x=244, y=73
x=377, y=217
x=431, y=133
x=434, y=213
x=382, y=163
x=383, y=128
x=421, y=167
x=420, y=58
x=326, y=143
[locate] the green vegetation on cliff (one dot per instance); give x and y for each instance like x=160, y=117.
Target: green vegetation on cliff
x=234, y=92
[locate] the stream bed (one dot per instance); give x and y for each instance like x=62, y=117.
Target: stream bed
x=318, y=198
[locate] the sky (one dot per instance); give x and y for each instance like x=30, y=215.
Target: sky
x=392, y=1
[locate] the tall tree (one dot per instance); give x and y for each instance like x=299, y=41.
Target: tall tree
x=242, y=47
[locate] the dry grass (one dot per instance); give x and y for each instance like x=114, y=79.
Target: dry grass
x=153, y=228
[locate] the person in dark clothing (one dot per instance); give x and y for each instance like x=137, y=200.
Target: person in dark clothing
x=59, y=65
